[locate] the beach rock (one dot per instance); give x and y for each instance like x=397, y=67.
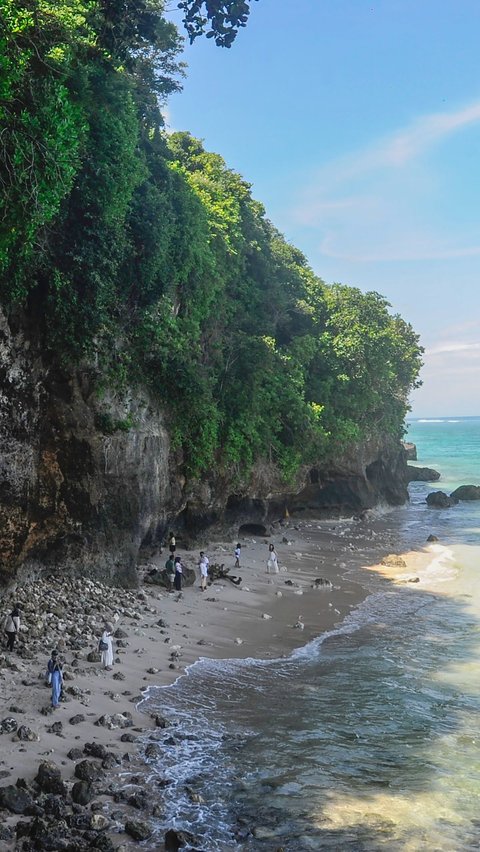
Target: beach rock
x=138, y=800
x=49, y=779
x=89, y=771
x=153, y=751
x=116, y=720
x=77, y=719
x=26, y=734
x=421, y=474
x=75, y=754
x=138, y=829
x=322, y=583
x=82, y=792
x=15, y=800
x=8, y=726
x=110, y=761
x=175, y=840
x=128, y=738
x=120, y=634
x=266, y=616
x=56, y=728
x=160, y=721
x=432, y=538
x=440, y=500
x=394, y=561
x=97, y=750
x=466, y=492
x=99, y=822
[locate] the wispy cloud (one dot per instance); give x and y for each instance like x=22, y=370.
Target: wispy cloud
x=381, y=203
x=458, y=348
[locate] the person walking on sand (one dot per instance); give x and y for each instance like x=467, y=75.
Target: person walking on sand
x=272, y=563
x=172, y=544
x=178, y=574
x=55, y=670
x=12, y=626
x=105, y=646
x=170, y=569
x=237, y=554
x=203, y=566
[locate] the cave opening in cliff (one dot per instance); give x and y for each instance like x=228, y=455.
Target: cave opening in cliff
x=252, y=529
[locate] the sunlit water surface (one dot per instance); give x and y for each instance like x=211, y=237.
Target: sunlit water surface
x=367, y=738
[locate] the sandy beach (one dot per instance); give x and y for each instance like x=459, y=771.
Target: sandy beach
x=161, y=634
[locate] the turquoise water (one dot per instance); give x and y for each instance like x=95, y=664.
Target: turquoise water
x=366, y=739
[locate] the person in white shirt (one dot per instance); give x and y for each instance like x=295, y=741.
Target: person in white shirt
x=203, y=566
x=272, y=563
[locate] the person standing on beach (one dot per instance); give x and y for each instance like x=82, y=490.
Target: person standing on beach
x=12, y=627
x=170, y=569
x=172, y=544
x=203, y=566
x=272, y=563
x=55, y=670
x=105, y=646
x=237, y=553
x=178, y=574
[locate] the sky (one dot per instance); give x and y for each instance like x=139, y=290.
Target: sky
x=358, y=125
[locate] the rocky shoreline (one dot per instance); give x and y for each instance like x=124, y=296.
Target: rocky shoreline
x=74, y=778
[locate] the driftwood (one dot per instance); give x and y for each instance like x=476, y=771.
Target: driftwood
x=219, y=572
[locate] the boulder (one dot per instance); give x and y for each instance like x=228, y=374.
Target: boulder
x=466, y=492
x=14, y=799
x=82, y=792
x=89, y=771
x=49, y=779
x=138, y=829
x=440, y=500
x=175, y=840
x=421, y=474
x=432, y=537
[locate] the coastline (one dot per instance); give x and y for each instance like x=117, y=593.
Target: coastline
x=166, y=633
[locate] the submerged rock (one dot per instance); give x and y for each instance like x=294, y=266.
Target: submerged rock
x=466, y=492
x=440, y=500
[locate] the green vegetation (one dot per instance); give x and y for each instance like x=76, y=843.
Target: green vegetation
x=147, y=253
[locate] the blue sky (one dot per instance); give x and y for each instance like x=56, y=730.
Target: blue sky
x=358, y=125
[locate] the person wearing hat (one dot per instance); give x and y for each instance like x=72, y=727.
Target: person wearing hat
x=105, y=647
x=55, y=677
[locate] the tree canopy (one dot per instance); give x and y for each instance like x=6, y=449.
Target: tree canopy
x=218, y=19
x=146, y=254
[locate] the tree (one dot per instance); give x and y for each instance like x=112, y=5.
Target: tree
x=224, y=17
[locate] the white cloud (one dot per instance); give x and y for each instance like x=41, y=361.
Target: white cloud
x=382, y=203
x=457, y=348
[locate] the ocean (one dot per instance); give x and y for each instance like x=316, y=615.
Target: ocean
x=368, y=737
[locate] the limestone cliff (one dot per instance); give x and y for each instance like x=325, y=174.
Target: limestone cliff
x=78, y=496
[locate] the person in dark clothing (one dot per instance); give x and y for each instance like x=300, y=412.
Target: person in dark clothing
x=12, y=627
x=178, y=574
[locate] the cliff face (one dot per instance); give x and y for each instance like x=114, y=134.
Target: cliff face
x=76, y=499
